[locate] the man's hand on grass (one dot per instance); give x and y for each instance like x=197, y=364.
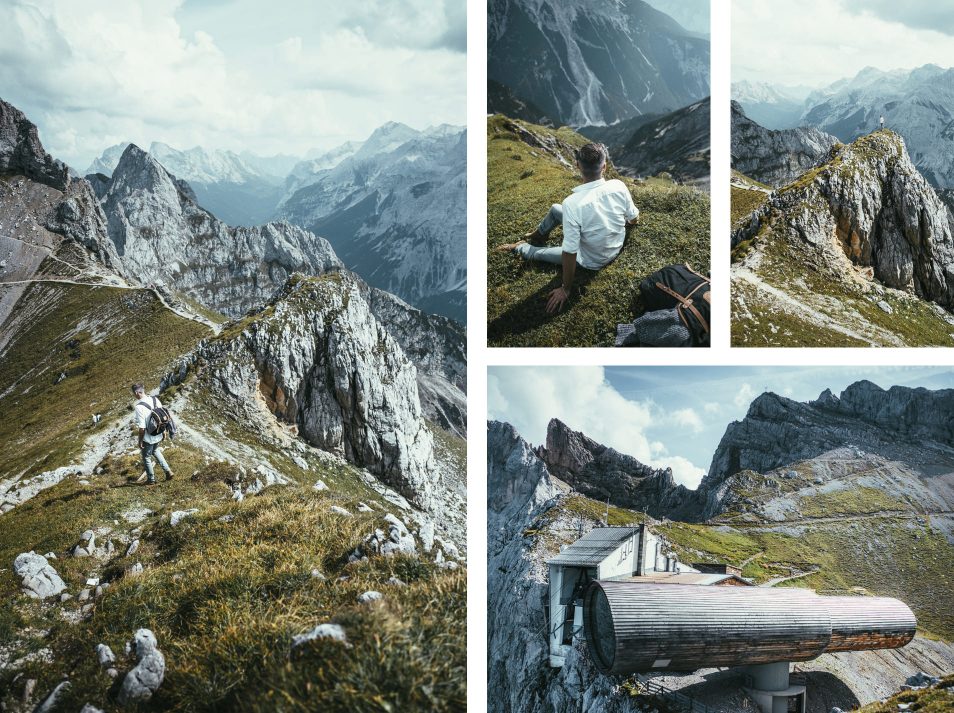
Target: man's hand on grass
x=558, y=298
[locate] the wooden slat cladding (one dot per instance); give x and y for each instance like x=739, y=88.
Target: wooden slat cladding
x=863, y=623
x=633, y=627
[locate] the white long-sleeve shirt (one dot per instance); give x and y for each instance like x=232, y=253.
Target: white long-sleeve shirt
x=594, y=221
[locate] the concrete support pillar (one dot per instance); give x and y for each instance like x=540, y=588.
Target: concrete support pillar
x=771, y=689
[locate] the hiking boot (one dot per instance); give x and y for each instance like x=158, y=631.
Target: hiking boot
x=169, y=475
x=151, y=482
x=142, y=478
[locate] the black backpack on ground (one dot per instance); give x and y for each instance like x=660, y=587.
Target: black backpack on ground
x=685, y=289
x=160, y=421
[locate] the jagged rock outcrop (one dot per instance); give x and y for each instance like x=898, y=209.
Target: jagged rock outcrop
x=321, y=362
x=162, y=234
x=438, y=347
x=913, y=426
x=600, y=472
x=869, y=206
x=776, y=157
x=21, y=152
x=520, y=490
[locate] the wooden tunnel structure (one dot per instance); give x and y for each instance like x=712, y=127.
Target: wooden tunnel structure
x=635, y=627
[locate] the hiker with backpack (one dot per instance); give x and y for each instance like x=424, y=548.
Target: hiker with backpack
x=153, y=422
x=594, y=219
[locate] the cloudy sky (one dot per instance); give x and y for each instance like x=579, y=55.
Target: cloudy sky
x=667, y=416
x=691, y=14
x=816, y=42
x=267, y=77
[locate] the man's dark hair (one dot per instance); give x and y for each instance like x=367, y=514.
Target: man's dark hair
x=592, y=158
x=136, y=388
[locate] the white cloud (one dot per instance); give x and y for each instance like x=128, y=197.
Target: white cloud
x=744, y=396
x=284, y=77
x=712, y=407
x=815, y=42
x=687, y=418
x=528, y=397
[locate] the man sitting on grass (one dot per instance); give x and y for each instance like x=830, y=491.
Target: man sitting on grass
x=594, y=218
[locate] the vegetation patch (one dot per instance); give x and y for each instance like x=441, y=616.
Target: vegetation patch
x=673, y=228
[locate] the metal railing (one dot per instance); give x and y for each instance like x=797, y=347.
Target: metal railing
x=689, y=705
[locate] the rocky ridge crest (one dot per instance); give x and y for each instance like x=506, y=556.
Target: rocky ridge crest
x=868, y=207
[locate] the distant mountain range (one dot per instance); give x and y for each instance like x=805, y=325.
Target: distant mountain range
x=918, y=104
x=595, y=63
x=393, y=206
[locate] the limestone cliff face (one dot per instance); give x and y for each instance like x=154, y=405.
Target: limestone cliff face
x=323, y=364
x=912, y=426
x=869, y=207
x=600, y=472
x=519, y=490
x=161, y=233
x=776, y=157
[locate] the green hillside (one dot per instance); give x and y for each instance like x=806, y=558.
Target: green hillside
x=524, y=180
x=227, y=589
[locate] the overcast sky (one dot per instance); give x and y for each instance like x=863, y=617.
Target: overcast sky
x=816, y=42
x=668, y=416
x=265, y=76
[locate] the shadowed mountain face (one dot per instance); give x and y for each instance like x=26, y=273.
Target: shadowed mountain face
x=775, y=157
x=595, y=63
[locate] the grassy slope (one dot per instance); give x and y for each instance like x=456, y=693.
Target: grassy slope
x=795, y=269
x=523, y=182
x=939, y=699
x=224, y=598
x=103, y=339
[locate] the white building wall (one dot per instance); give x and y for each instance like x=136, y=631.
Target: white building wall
x=622, y=562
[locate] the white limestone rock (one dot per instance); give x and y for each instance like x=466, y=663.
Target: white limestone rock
x=39, y=579
x=142, y=681
x=333, y=632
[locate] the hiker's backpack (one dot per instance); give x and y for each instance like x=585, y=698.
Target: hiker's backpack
x=160, y=421
x=685, y=289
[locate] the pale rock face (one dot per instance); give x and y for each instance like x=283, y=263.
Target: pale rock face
x=40, y=580
x=322, y=362
x=161, y=234
x=898, y=423
x=657, y=65
x=142, y=681
x=870, y=206
x=776, y=157
x=334, y=632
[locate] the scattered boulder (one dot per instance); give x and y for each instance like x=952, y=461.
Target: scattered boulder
x=299, y=461
x=323, y=631
x=920, y=680
x=40, y=580
x=364, y=507
x=396, y=540
x=179, y=515
x=90, y=709
x=135, y=570
x=86, y=546
x=885, y=307
x=50, y=702
x=320, y=486
x=105, y=655
x=133, y=548
x=426, y=533
x=370, y=596
x=397, y=582
x=316, y=574
x=141, y=683
x=339, y=511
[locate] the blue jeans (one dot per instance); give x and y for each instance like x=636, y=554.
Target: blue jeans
x=552, y=254
x=150, y=450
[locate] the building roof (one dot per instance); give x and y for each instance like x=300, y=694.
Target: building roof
x=594, y=547
x=700, y=578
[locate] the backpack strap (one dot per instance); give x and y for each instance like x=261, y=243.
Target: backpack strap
x=696, y=273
